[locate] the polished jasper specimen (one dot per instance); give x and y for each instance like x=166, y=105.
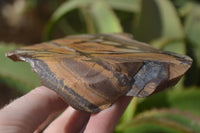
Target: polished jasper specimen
x=91, y=72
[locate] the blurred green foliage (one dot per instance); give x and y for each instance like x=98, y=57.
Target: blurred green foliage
x=172, y=25
x=16, y=75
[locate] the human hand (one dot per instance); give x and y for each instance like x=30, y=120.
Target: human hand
x=39, y=108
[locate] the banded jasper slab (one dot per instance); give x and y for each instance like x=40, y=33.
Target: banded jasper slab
x=91, y=72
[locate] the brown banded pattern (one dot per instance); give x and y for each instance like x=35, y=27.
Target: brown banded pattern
x=91, y=72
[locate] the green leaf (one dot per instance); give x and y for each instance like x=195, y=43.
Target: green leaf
x=192, y=31
x=130, y=110
x=158, y=20
x=162, y=121
x=183, y=6
x=170, y=44
x=185, y=100
x=16, y=74
x=104, y=18
x=176, y=46
x=158, y=100
x=125, y=5
x=61, y=11
x=148, y=128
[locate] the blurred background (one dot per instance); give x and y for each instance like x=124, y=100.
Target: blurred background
x=172, y=25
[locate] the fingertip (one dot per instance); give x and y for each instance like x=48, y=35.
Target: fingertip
x=70, y=121
x=106, y=120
